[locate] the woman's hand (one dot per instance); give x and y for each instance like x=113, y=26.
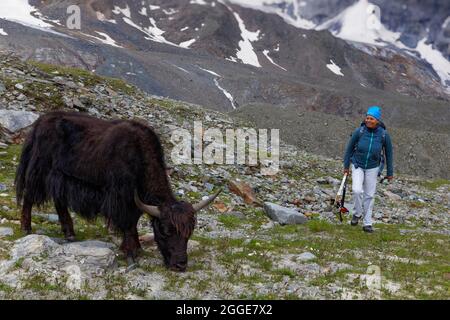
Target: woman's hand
x=346, y=171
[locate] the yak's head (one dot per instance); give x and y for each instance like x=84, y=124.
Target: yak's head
x=173, y=225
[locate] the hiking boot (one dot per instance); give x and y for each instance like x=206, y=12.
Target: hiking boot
x=355, y=220
x=368, y=229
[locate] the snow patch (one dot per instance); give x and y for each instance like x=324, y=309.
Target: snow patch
x=199, y=2
x=20, y=11
x=101, y=17
x=211, y=72
x=153, y=32
x=246, y=52
x=2, y=32
x=143, y=11
x=184, y=29
x=170, y=11
x=152, y=7
x=126, y=12
x=446, y=23
x=359, y=23
x=334, y=68
x=180, y=68
x=226, y=93
x=186, y=44
x=440, y=64
x=273, y=7
x=266, y=53
x=110, y=41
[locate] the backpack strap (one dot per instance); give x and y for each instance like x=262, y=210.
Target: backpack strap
x=360, y=133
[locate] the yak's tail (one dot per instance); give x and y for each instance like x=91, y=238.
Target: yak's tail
x=21, y=172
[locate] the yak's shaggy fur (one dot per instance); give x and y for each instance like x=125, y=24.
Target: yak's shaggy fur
x=93, y=167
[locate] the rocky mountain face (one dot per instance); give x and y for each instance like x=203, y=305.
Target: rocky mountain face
x=264, y=60
x=414, y=20
x=267, y=237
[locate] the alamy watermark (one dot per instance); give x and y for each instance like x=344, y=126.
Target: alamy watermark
x=236, y=146
x=74, y=19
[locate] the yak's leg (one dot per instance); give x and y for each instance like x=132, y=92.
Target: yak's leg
x=66, y=221
x=130, y=245
x=25, y=219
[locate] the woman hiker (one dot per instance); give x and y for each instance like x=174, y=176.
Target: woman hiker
x=364, y=151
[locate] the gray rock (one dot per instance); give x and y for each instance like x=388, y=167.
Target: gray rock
x=32, y=245
x=95, y=254
x=50, y=217
x=284, y=215
x=209, y=187
x=16, y=120
x=334, y=267
x=94, y=112
x=78, y=104
x=333, y=181
x=322, y=181
x=237, y=214
x=2, y=88
x=21, y=97
x=5, y=231
x=306, y=256
x=392, y=196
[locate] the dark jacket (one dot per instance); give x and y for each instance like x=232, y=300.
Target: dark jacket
x=366, y=152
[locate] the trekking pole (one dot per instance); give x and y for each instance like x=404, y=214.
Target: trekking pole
x=341, y=188
x=340, y=197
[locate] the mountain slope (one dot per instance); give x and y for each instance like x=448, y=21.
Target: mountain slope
x=226, y=56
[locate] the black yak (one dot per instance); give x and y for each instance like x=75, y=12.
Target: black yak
x=111, y=168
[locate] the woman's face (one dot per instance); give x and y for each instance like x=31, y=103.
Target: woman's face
x=371, y=122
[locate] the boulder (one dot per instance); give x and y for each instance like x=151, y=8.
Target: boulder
x=16, y=120
x=243, y=190
x=284, y=215
x=5, y=231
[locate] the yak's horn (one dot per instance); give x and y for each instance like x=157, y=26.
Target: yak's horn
x=151, y=210
x=204, y=203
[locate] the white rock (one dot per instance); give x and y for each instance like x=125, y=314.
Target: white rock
x=5, y=231
x=306, y=256
x=32, y=245
x=16, y=120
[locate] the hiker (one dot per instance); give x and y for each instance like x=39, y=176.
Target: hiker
x=367, y=146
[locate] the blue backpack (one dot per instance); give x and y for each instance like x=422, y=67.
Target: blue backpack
x=383, y=141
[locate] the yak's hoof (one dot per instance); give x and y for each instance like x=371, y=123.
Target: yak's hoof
x=70, y=238
x=132, y=264
x=26, y=230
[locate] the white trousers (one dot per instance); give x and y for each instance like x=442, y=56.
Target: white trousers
x=364, y=183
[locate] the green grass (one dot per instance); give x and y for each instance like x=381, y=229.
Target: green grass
x=320, y=226
x=39, y=283
x=349, y=245
x=86, y=77
x=434, y=184
x=230, y=221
